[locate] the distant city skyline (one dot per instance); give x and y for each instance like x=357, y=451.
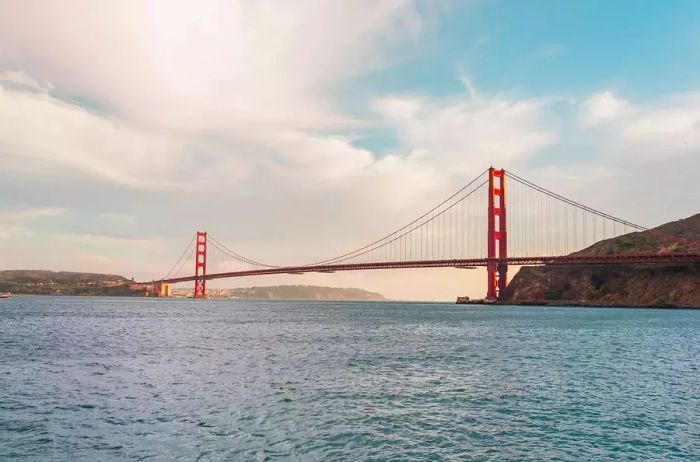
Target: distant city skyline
x=295, y=131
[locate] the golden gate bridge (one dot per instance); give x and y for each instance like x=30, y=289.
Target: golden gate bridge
x=474, y=227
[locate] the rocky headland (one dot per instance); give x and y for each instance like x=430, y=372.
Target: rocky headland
x=621, y=285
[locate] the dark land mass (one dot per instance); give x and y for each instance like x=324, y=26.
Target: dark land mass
x=40, y=282
x=290, y=292
x=620, y=285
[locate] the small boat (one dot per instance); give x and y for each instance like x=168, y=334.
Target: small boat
x=5, y=295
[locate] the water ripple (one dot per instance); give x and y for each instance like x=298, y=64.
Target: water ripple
x=137, y=379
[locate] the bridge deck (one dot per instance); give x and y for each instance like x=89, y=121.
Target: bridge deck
x=567, y=260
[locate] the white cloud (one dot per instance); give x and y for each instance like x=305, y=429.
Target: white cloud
x=205, y=114
x=466, y=134
x=672, y=125
x=645, y=153
x=254, y=76
x=220, y=65
x=316, y=157
x=38, y=126
x=666, y=127
x=21, y=80
x=603, y=107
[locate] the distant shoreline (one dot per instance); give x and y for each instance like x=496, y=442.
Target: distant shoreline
x=544, y=304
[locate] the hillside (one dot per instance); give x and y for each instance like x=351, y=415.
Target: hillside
x=289, y=292
x=675, y=236
x=619, y=285
x=40, y=282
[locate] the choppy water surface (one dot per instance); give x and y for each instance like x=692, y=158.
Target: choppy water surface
x=96, y=379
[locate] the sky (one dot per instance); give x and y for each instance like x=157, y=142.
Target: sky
x=294, y=131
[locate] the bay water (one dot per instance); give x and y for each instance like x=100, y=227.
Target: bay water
x=176, y=379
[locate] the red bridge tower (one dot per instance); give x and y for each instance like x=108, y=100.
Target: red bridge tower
x=200, y=270
x=497, y=237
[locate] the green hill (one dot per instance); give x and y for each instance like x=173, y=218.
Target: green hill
x=41, y=282
x=675, y=236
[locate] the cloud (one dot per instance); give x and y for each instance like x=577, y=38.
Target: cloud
x=666, y=127
x=603, y=107
x=14, y=223
x=19, y=79
x=40, y=127
x=102, y=240
x=198, y=97
x=30, y=214
x=644, y=152
x=220, y=66
x=37, y=126
x=467, y=133
x=671, y=126
x=222, y=115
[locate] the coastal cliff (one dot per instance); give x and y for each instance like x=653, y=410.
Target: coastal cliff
x=620, y=285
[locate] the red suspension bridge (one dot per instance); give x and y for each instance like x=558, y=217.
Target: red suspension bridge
x=474, y=227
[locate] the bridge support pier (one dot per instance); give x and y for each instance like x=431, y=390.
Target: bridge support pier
x=497, y=237
x=164, y=289
x=159, y=289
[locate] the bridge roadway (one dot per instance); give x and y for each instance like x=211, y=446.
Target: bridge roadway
x=566, y=260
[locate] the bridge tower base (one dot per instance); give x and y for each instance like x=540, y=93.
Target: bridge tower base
x=497, y=237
